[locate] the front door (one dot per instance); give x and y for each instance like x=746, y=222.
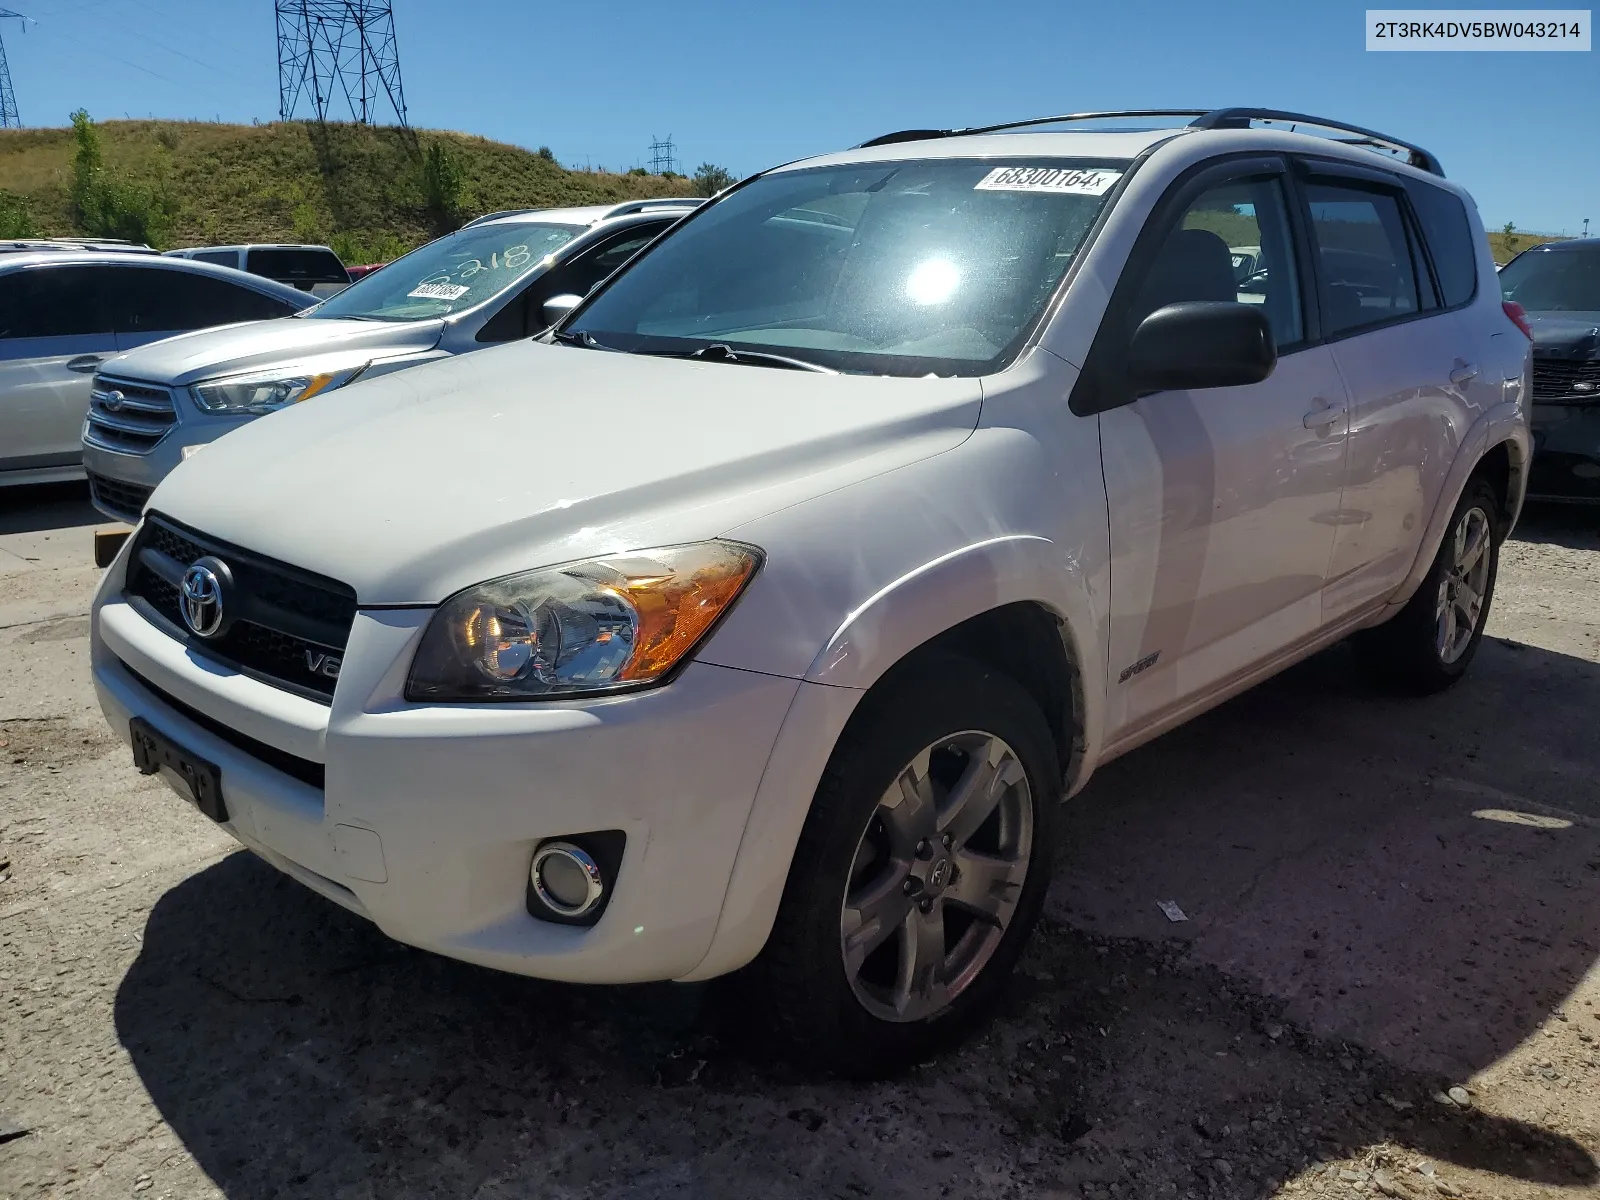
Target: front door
x=1222, y=501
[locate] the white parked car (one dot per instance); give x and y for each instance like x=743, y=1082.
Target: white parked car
x=763, y=615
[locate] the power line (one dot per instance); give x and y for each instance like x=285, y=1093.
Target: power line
x=333, y=48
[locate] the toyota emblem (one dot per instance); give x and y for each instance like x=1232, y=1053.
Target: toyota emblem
x=113, y=401
x=200, y=597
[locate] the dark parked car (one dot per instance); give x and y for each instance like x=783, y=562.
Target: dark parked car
x=1558, y=284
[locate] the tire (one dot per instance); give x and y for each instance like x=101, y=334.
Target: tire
x=922, y=732
x=1410, y=652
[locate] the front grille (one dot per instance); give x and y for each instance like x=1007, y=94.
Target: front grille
x=127, y=417
x=283, y=623
x=127, y=500
x=1566, y=381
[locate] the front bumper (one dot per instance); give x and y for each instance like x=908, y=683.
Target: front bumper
x=428, y=816
x=1566, y=453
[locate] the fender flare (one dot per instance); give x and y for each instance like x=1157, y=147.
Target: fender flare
x=889, y=625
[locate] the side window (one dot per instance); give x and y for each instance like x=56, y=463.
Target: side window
x=52, y=301
x=581, y=275
x=1366, y=260
x=523, y=316
x=156, y=301
x=1449, y=236
x=217, y=258
x=1233, y=242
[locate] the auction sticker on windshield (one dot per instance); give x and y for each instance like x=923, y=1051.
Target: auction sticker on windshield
x=439, y=291
x=1067, y=181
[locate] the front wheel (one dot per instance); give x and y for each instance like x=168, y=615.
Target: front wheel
x=1428, y=645
x=920, y=871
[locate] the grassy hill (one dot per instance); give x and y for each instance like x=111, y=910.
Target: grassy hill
x=358, y=187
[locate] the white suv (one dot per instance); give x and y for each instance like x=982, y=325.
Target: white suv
x=762, y=616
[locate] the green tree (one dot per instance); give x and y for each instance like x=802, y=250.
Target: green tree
x=709, y=179
x=104, y=205
x=546, y=153
x=444, y=188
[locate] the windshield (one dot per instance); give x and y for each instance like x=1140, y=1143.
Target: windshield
x=451, y=274
x=1553, y=281
x=937, y=266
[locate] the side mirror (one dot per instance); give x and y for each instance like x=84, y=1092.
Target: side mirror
x=1201, y=344
x=557, y=307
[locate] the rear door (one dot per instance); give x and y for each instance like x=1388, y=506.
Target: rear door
x=150, y=303
x=1404, y=362
x=54, y=332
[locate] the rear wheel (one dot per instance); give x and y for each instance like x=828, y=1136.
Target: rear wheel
x=920, y=871
x=1429, y=644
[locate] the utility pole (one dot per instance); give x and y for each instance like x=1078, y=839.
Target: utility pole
x=328, y=49
x=8, y=98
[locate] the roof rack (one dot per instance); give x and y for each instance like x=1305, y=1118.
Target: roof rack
x=639, y=206
x=1217, y=118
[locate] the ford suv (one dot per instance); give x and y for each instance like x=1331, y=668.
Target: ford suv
x=499, y=278
x=760, y=616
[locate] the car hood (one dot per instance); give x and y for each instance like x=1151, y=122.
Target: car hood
x=232, y=349
x=1565, y=334
x=417, y=484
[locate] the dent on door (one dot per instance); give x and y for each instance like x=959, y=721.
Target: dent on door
x=1407, y=421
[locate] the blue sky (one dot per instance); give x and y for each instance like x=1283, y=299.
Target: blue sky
x=749, y=84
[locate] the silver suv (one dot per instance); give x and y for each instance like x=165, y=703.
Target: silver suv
x=499, y=278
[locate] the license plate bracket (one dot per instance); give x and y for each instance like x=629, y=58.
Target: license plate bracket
x=153, y=750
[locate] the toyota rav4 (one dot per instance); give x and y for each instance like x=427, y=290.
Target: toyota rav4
x=759, y=617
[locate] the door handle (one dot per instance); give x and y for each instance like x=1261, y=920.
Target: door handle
x=1464, y=372
x=85, y=363
x=1326, y=415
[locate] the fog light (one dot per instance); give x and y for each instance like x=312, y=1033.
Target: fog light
x=566, y=880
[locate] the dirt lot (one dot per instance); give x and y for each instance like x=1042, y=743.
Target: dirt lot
x=1387, y=899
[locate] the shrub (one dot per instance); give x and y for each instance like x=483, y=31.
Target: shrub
x=15, y=219
x=546, y=153
x=444, y=188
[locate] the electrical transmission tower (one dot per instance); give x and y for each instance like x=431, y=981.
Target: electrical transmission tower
x=663, y=156
x=8, y=98
x=333, y=49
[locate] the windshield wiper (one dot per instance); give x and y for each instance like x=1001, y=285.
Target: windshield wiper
x=722, y=352
x=581, y=339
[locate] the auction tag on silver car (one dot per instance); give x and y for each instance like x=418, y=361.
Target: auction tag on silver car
x=1069, y=181
x=439, y=291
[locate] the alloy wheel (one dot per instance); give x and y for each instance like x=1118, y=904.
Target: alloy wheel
x=1464, y=585
x=937, y=876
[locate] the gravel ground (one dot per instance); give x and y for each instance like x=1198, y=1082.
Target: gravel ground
x=1390, y=903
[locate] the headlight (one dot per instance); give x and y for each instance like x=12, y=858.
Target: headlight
x=604, y=625
x=269, y=390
